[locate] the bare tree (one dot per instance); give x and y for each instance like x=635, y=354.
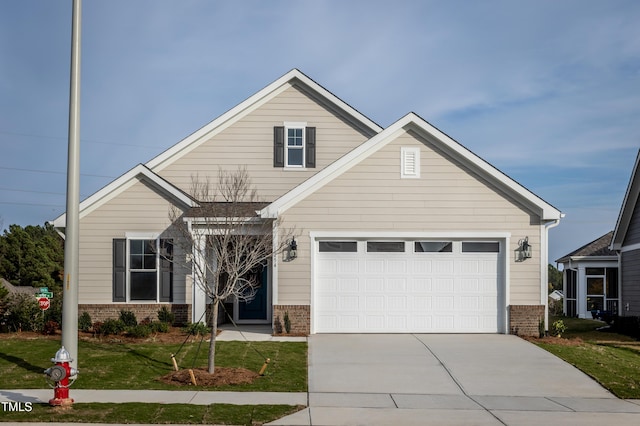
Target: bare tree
x=226, y=241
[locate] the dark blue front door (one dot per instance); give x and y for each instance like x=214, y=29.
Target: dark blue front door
x=257, y=308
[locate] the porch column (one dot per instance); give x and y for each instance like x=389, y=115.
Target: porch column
x=198, y=267
x=581, y=293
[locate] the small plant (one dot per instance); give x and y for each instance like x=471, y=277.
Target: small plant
x=50, y=328
x=84, y=322
x=140, y=330
x=158, y=327
x=112, y=326
x=166, y=316
x=287, y=322
x=128, y=318
x=197, y=329
x=558, y=328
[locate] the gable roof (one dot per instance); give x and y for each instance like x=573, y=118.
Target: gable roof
x=417, y=124
x=293, y=77
x=628, y=206
x=596, y=248
x=138, y=173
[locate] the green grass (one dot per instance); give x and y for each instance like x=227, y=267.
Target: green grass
x=153, y=413
x=610, y=358
x=108, y=365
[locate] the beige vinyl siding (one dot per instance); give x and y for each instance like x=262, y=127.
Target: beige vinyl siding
x=371, y=197
x=137, y=209
x=249, y=143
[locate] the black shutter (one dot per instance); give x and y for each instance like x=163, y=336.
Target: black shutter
x=310, y=142
x=119, y=270
x=166, y=270
x=278, y=146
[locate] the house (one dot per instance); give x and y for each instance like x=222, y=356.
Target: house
x=626, y=242
x=401, y=229
x=590, y=279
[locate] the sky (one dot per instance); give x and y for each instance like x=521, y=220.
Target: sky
x=546, y=91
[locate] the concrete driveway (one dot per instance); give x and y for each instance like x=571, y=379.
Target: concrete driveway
x=445, y=379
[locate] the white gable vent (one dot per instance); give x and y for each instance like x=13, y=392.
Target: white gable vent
x=409, y=162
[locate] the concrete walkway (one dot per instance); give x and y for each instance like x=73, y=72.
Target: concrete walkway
x=412, y=380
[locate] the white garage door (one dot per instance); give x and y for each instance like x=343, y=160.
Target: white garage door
x=408, y=287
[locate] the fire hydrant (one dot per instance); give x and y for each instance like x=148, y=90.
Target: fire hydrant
x=60, y=377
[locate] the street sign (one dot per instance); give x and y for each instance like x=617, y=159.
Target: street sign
x=47, y=294
x=44, y=303
x=44, y=289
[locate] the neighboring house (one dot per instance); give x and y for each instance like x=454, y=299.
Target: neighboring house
x=590, y=279
x=18, y=289
x=556, y=295
x=400, y=229
x=626, y=242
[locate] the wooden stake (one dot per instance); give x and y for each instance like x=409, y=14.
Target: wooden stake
x=175, y=364
x=193, y=378
x=264, y=366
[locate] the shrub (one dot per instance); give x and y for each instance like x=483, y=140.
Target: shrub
x=112, y=326
x=197, y=329
x=84, y=322
x=629, y=326
x=159, y=327
x=128, y=318
x=558, y=327
x=50, y=328
x=287, y=323
x=139, y=330
x=166, y=316
x=23, y=313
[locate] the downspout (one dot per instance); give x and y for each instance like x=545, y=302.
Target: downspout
x=545, y=270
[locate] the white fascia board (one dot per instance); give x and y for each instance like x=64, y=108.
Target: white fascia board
x=121, y=184
x=627, y=208
x=247, y=106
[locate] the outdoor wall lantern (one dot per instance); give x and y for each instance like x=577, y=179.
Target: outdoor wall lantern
x=292, y=251
x=524, y=250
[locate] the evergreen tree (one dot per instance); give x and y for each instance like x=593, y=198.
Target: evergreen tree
x=32, y=256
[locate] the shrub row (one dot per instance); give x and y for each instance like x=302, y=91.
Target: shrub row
x=126, y=323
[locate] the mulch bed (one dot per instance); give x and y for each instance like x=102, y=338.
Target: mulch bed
x=221, y=376
x=575, y=341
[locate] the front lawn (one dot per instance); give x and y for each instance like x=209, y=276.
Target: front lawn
x=111, y=365
x=610, y=358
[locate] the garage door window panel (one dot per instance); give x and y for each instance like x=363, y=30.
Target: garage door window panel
x=338, y=246
x=433, y=246
x=480, y=247
x=385, y=246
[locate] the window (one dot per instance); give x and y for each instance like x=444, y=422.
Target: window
x=433, y=246
x=480, y=247
x=338, y=246
x=385, y=246
x=142, y=270
x=294, y=154
x=294, y=146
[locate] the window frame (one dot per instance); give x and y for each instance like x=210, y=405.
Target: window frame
x=303, y=148
x=123, y=268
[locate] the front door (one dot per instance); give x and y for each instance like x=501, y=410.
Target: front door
x=257, y=309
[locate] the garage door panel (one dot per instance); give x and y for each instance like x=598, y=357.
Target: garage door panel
x=407, y=292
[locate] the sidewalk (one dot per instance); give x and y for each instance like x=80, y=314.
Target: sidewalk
x=160, y=396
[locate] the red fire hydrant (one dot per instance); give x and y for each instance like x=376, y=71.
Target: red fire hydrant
x=60, y=377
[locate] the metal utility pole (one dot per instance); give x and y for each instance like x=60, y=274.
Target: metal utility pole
x=72, y=241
